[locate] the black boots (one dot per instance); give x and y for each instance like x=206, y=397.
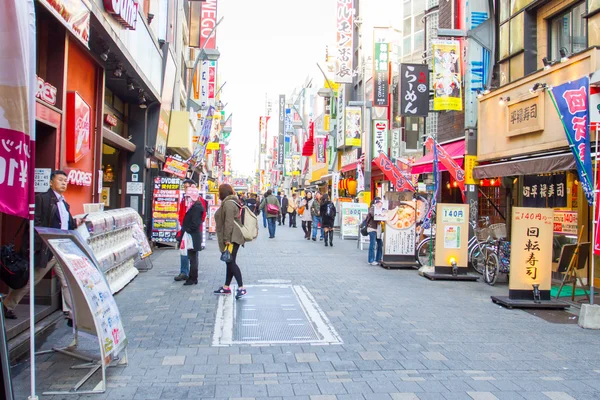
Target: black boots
x=330, y=238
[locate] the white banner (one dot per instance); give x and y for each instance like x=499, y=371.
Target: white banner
x=345, y=34
x=341, y=116
x=380, y=134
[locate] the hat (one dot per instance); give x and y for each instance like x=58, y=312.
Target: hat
x=192, y=193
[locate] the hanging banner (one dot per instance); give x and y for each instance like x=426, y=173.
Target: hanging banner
x=335, y=182
x=393, y=174
x=341, y=117
x=414, y=90
x=345, y=33
x=165, y=207
x=380, y=134
x=545, y=191
x=18, y=86
x=455, y=170
x=353, y=126
x=281, y=133
x=176, y=167
x=360, y=178
x=321, y=147
x=262, y=123
x=208, y=20
x=381, y=83
x=571, y=102
x=73, y=14
x=447, y=85
x=200, y=149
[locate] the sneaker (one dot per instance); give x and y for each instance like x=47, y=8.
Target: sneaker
x=240, y=293
x=222, y=290
x=181, y=277
x=314, y=239
x=374, y=263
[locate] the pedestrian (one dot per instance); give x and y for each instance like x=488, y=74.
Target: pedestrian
x=184, y=261
x=191, y=238
x=284, y=208
x=264, y=214
x=327, y=211
x=270, y=206
x=316, y=214
x=279, y=202
x=292, y=209
x=230, y=237
x=252, y=204
x=51, y=211
x=375, y=229
x=306, y=214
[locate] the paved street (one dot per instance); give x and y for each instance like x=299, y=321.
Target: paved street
x=403, y=337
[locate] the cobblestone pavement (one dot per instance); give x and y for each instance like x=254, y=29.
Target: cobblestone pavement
x=404, y=337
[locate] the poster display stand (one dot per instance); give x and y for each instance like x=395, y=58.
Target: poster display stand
x=350, y=219
x=398, y=212
x=451, y=244
x=95, y=311
x=165, y=207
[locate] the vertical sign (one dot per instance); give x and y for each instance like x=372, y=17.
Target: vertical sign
x=208, y=20
x=380, y=133
x=447, y=84
x=335, y=183
x=212, y=83
x=353, y=126
x=321, y=143
x=414, y=90
x=281, y=134
x=531, y=253
x=381, y=84
x=451, y=242
x=345, y=34
x=165, y=206
x=395, y=144
x=341, y=116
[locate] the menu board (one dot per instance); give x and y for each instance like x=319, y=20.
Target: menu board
x=165, y=207
x=400, y=228
x=565, y=222
x=212, y=225
x=81, y=272
x=351, y=218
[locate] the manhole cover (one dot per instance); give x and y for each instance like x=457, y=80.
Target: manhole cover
x=274, y=281
x=172, y=272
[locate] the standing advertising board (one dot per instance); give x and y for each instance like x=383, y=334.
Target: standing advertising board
x=212, y=225
x=452, y=238
x=351, y=218
x=165, y=207
x=400, y=219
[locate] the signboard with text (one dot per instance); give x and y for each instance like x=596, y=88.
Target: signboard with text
x=353, y=126
x=165, y=207
x=526, y=116
x=380, y=135
x=345, y=36
x=400, y=228
x=381, y=83
x=451, y=242
x=414, y=90
x=78, y=127
x=565, y=222
x=351, y=218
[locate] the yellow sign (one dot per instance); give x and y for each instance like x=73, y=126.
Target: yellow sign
x=452, y=240
x=326, y=122
x=531, y=250
x=526, y=116
x=353, y=126
x=334, y=86
x=447, y=84
x=470, y=163
x=213, y=146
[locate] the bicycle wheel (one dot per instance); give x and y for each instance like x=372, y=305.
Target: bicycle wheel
x=492, y=268
x=477, y=259
x=424, y=250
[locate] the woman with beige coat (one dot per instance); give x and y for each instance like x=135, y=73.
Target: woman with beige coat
x=230, y=237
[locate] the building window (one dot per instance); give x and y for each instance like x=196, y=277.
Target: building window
x=568, y=30
x=515, y=24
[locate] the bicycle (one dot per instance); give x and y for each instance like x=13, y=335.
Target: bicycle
x=498, y=255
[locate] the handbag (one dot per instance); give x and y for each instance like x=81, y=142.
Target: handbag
x=14, y=268
x=226, y=256
x=301, y=210
x=363, y=226
x=272, y=209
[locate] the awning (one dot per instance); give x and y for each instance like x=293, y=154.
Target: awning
x=349, y=167
x=116, y=140
x=424, y=165
x=529, y=166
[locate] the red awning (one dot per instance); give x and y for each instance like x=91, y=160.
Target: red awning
x=349, y=167
x=424, y=165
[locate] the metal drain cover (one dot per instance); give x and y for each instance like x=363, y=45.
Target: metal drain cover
x=272, y=314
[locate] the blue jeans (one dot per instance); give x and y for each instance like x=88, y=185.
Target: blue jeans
x=185, y=265
x=264, y=213
x=373, y=241
x=315, y=227
x=272, y=224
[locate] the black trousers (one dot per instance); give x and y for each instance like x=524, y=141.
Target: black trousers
x=193, y=257
x=307, y=228
x=283, y=214
x=232, y=268
x=293, y=219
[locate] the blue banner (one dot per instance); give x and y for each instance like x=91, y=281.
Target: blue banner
x=572, y=104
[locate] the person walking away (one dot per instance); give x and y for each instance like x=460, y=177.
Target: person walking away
x=230, y=236
x=375, y=228
x=51, y=211
x=292, y=209
x=192, y=238
x=327, y=211
x=284, y=208
x=279, y=202
x=184, y=268
x=306, y=215
x=251, y=203
x=316, y=214
x=264, y=214
x=271, y=207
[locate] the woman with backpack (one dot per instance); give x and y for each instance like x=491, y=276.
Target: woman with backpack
x=327, y=212
x=375, y=229
x=230, y=237
x=306, y=215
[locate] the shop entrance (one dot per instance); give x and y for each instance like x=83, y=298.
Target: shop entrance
x=112, y=162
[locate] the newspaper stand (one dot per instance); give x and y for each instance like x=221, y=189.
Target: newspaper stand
x=94, y=309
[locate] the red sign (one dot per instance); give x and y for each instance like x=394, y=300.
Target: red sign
x=74, y=14
x=455, y=170
x=176, y=167
x=45, y=92
x=124, y=11
x=79, y=178
x=78, y=127
x=110, y=119
x=212, y=78
x=208, y=20
x=393, y=173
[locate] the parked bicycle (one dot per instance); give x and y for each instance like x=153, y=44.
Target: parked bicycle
x=497, y=260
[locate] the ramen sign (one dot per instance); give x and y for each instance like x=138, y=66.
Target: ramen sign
x=78, y=127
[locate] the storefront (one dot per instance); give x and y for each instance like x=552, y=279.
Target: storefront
x=524, y=151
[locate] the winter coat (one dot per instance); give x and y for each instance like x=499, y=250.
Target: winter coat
x=315, y=208
x=192, y=223
x=307, y=215
x=226, y=215
x=270, y=200
x=284, y=204
x=327, y=221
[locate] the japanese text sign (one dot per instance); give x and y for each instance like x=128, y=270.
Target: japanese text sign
x=414, y=90
x=78, y=127
x=393, y=173
x=345, y=35
x=176, y=167
x=531, y=252
x=526, y=116
x=165, y=207
x=571, y=102
x=281, y=133
x=546, y=191
x=452, y=240
x=447, y=84
x=341, y=116
x=381, y=84
x=380, y=134
x=565, y=222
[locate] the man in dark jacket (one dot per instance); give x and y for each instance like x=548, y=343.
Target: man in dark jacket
x=51, y=211
x=284, y=206
x=279, y=201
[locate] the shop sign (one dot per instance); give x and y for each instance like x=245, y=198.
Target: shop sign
x=548, y=191
x=453, y=215
x=165, y=207
x=380, y=134
x=400, y=228
x=78, y=127
x=124, y=11
x=110, y=120
x=345, y=35
x=351, y=218
x=176, y=167
x=341, y=117
x=414, y=90
x=79, y=178
x=45, y=92
x=321, y=144
x=565, y=222
x=526, y=116
x=395, y=144
x=531, y=252
x=470, y=164
x=447, y=83
x=212, y=224
x=381, y=82
x=594, y=106
x=208, y=20
x=335, y=181
x=41, y=180
x=73, y=14
x=452, y=224
x=353, y=126
x=281, y=133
